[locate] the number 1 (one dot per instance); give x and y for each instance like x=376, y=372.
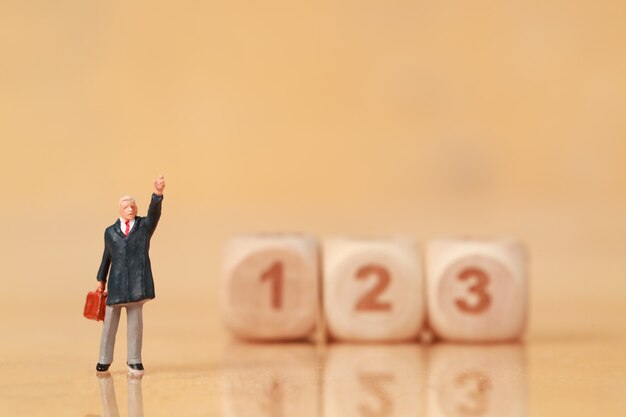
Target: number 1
x=275, y=274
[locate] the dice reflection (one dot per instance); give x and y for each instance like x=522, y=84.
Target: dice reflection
x=270, y=381
x=355, y=380
x=374, y=381
x=477, y=381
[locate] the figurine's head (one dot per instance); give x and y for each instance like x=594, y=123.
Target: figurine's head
x=128, y=208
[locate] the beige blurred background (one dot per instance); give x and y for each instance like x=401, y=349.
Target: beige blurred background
x=360, y=117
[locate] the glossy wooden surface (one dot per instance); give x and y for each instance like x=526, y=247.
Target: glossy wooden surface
x=196, y=370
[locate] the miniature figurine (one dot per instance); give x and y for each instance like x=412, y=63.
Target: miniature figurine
x=130, y=283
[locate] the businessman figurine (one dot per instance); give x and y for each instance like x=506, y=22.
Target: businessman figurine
x=130, y=283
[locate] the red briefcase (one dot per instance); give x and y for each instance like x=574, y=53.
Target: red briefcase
x=95, y=305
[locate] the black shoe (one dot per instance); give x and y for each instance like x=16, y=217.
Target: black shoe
x=101, y=367
x=135, y=368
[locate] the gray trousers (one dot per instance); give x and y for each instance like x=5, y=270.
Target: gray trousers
x=134, y=316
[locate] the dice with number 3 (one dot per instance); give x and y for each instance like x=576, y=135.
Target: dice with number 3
x=476, y=289
x=270, y=286
x=373, y=289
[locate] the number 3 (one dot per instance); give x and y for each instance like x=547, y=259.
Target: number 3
x=479, y=289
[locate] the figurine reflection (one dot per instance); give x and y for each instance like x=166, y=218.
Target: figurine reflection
x=109, y=401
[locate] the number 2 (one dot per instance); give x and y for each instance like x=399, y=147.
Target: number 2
x=373, y=382
x=369, y=301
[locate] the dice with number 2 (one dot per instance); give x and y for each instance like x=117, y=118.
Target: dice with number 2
x=270, y=286
x=476, y=289
x=373, y=289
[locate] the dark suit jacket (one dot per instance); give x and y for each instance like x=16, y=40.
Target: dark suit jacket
x=130, y=278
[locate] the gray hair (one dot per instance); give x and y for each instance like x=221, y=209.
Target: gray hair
x=127, y=198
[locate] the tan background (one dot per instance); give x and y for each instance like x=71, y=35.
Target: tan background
x=362, y=117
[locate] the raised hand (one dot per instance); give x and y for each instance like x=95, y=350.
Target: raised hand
x=159, y=185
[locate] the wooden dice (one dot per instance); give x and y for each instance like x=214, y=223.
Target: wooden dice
x=476, y=289
x=373, y=289
x=270, y=286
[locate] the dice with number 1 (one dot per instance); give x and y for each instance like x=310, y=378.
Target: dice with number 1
x=269, y=287
x=476, y=289
x=373, y=289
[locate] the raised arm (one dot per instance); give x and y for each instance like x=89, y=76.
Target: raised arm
x=154, y=210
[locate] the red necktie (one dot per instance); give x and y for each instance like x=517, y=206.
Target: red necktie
x=127, y=227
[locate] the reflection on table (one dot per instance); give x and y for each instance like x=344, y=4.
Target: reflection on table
x=477, y=381
x=270, y=380
x=109, y=401
x=374, y=380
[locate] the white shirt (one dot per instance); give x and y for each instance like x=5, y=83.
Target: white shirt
x=131, y=223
